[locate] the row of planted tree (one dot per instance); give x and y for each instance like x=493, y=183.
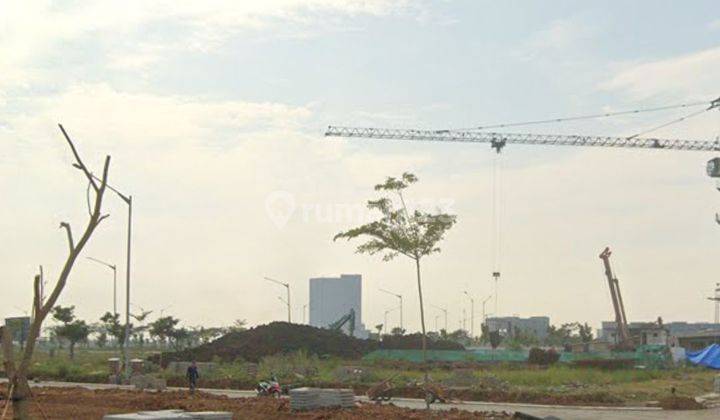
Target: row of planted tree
x=109, y=332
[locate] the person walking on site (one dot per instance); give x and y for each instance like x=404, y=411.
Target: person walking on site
x=192, y=376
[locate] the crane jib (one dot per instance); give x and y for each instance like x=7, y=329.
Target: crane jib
x=501, y=139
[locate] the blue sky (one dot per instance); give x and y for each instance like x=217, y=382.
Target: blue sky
x=210, y=109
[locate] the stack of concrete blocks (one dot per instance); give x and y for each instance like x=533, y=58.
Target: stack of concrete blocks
x=171, y=415
x=343, y=398
x=115, y=370
x=137, y=367
x=314, y=398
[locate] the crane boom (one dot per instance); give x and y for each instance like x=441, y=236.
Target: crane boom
x=623, y=333
x=499, y=140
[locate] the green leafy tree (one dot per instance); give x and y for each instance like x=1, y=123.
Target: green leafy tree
x=72, y=330
x=459, y=336
x=178, y=336
x=141, y=327
x=163, y=328
x=400, y=232
x=397, y=331
x=114, y=328
x=102, y=339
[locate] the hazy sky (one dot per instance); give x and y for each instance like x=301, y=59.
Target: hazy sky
x=214, y=112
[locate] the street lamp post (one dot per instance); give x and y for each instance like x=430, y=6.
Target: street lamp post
x=128, y=200
x=385, y=319
x=287, y=286
x=472, y=314
x=444, y=311
x=401, y=309
x=483, y=306
x=114, y=269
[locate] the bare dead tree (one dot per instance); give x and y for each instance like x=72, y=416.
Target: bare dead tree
x=19, y=390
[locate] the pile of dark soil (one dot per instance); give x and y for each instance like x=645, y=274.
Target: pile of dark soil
x=680, y=403
x=414, y=341
x=277, y=337
x=282, y=337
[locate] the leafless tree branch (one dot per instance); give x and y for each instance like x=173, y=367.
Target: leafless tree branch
x=37, y=296
x=67, y=227
x=17, y=373
x=78, y=161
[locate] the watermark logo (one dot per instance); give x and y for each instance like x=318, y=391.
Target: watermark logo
x=280, y=206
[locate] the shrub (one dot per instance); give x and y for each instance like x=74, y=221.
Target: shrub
x=542, y=357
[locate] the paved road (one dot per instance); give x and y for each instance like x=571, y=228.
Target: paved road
x=560, y=412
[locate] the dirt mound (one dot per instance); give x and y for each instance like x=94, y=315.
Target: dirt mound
x=274, y=338
x=414, y=341
x=680, y=403
x=281, y=337
x=84, y=404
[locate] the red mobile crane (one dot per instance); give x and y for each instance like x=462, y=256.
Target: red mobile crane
x=624, y=341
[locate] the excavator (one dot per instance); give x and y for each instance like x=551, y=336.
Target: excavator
x=348, y=319
x=624, y=340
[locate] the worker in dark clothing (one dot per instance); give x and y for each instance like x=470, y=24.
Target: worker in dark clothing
x=192, y=376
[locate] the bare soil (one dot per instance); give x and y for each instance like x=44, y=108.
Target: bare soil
x=83, y=404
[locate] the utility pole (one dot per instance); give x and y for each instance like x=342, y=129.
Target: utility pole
x=399, y=297
x=114, y=269
x=287, y=286
x=304, y=308
x=472, y=314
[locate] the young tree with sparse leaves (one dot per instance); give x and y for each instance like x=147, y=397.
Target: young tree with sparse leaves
x=71, y=329
x=114, y=328
x=399, y=231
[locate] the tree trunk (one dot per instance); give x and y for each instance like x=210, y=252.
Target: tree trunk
x=72, y=351
x=21, y=398
x=422, y=324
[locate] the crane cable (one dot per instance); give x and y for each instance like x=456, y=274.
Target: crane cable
x=496, y=224
x=586, y=117
x=669, y=123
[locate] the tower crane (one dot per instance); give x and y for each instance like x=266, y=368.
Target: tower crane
x=498, y=141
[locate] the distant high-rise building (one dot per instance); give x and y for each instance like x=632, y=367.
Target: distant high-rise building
x=331, y=298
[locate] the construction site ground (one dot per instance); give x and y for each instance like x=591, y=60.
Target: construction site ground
x=81, y=403
x=89, y=401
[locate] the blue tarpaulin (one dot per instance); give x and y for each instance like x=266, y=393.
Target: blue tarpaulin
x=709, y=356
